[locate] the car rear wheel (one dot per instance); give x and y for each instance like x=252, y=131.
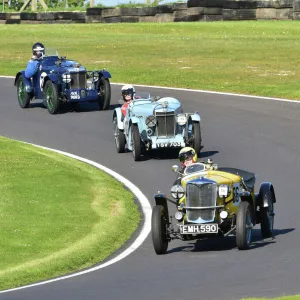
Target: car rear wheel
x=196, y=137
x=136, y=142
x=104, y=91
x=23, y=97
x=119, y=137
x=159, y=229
x=51, y=97
x=267, y=218
x=244, y=226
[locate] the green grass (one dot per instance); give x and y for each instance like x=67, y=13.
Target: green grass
x=58, y=215
x=258, y=58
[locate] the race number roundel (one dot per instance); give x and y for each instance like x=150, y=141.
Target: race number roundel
x=42, y=78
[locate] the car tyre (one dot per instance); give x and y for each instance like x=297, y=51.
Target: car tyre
x=136, y=142
x=159, y=230
x=244, y=226
x=104, y=91
x=197, y=137
x=267, y=218
x=119, y=137
x=23, y=97
x=51, y=97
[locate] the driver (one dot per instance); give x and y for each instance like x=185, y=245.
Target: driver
x=127, y=92
x=187, y=156
x=38, y=50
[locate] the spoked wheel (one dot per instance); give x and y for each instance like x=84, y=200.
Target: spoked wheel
x=23, y=97
x=136, y=143
x=196, y=137
x=104, y=91
x=119, y=137
x=51, y=97
x=159, y=224
x=267, y=218
x=244, y=226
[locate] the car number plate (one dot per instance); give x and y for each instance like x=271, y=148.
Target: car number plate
x=199, y=229
x=168, y=144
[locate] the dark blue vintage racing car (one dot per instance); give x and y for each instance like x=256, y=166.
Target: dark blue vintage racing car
x=59, y=80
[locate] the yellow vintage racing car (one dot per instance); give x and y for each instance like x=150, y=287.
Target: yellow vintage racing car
x=213, y=201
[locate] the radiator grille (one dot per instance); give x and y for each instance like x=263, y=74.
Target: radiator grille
x=78, y=80
x=165, y=126
x=201, y=195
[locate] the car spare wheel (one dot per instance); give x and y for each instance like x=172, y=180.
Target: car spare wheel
x=159, y=229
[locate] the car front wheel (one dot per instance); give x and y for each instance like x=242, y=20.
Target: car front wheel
x=244, y=226
x=196, y=137
x=23, y=97
x=104, y=91
x=267, y=218
x=159, y=230
x=51, y=97
x=119, y=137
x=136, y=143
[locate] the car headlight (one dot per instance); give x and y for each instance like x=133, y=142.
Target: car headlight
x=95, y=77
x=150, y=121
x=181, y=119
x=223, y=190
x=66, y=77
x=177, y=191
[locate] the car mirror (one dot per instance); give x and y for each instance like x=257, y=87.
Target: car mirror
x=175, y=168
x=214, y=167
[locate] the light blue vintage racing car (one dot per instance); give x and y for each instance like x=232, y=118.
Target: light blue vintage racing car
x=155, y=123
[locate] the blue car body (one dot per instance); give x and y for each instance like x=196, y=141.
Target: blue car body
x=74, y=84
x=161, y=124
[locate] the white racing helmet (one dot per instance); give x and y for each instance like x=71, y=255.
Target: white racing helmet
x=128, y=89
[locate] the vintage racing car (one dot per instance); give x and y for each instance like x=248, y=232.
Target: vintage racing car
x=60, y=80
x=213, y=201
x=155, y=123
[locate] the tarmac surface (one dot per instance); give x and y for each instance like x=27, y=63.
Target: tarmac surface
x=258, y=135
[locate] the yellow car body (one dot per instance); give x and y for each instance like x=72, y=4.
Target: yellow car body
x=213, y=201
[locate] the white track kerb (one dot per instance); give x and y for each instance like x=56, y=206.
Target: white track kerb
x=145, y=205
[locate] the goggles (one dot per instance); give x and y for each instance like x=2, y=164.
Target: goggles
x=127, y=92
x=185, y=156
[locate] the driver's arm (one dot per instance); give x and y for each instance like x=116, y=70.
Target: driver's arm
x=32, y=68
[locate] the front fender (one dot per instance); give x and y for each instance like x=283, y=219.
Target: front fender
x=18, y=75
x=118, y=115
x=160, y=199
x=265, y=192
x=105, y=74
x=195, y=117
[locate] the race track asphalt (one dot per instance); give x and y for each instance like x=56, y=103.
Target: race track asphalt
x=259, y=135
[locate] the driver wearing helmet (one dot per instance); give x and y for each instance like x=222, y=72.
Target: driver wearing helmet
x=38, y=50
x=187, y=156
x=127, y=92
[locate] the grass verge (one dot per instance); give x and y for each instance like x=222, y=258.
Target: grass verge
x=296, y=297
x=258, y=58
x=58, y=215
